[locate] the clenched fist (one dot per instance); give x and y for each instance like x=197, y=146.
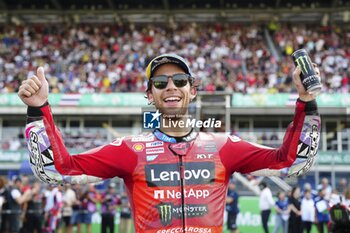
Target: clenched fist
x=34, y=91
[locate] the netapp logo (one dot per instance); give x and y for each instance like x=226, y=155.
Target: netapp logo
x=191, y=193
x=169, y=174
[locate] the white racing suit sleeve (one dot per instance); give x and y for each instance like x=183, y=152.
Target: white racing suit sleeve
x=41, y=158
x=307, y=151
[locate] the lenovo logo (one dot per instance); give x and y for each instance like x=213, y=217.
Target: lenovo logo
x=169, y=174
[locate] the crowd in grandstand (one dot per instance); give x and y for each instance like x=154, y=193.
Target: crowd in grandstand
x=112, y=57
x=29, y=205
x=81, y=140
x=299, y=210
x=78, y=140
x=329, y=48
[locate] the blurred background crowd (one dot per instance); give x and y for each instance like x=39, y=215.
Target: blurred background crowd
x=30, y=206
x=27, y=206
x=104, y=58
x=300, y=209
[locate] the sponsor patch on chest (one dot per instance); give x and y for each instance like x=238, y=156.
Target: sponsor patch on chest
x=155, y=150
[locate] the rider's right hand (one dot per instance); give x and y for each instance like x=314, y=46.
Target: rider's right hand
x=34, y=91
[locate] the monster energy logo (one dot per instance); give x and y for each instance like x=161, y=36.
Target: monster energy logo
x=165, y=211
x=304, y=64
x=338, y=214
x=168, y=211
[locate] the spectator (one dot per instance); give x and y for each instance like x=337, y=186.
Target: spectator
x=69, y=198
x=88, y=202
x=25, y=184
x=282, y=213
x=263, y=138
x=307, y=211
x=335, y=198
x=5, y=145
x=34, y=211
x=15, y=144
x=232, y=207
x=53, y=207
x=347, y=197
x=274, y=141
x=11, y=221
x=266, y=202
x=307, y=187
x=321, y=210
x=3, y=183
x=342, y=185
x=76, y=207
x=295, y=224
x=125, y=224
x=326, y=187
x=108, y=209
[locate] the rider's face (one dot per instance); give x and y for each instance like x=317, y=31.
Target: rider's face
x=171, y=96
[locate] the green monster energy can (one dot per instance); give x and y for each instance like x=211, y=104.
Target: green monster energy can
x=310, y=80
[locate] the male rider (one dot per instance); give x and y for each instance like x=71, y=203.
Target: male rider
x=176, y=178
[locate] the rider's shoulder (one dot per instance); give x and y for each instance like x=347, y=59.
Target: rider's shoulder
x=143, y=137
x=215, y=136
x=132, y=139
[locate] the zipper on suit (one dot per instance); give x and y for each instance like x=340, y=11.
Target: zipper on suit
x=182, y=178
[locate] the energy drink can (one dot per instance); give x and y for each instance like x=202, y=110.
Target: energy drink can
x=310, y=80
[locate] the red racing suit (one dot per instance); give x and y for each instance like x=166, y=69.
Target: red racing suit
x=173, y=184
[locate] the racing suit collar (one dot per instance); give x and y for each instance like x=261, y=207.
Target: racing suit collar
x=166, y=138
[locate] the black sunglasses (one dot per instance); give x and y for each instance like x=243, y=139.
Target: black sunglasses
x=179, y=80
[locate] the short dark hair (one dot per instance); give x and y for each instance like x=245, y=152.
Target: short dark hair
x=17, y=179
x=262, y=185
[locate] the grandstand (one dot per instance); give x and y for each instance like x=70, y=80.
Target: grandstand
x=95, y=52
x=92, y=11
